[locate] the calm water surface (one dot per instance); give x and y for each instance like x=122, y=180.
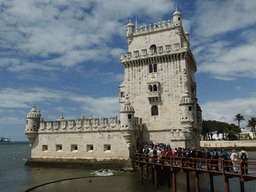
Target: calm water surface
x=15, y=176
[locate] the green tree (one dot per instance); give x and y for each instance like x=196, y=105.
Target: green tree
x=228, y=130
x=239, y=118
x=252, y=124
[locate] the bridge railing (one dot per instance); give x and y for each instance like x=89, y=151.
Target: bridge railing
x=174, y=162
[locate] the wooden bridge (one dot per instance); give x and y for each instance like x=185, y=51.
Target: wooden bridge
x=186, y=165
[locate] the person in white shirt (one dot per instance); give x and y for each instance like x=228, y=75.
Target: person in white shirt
x=234, y=158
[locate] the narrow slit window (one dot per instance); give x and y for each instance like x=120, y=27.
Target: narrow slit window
x=155, y=67
x=150, y=69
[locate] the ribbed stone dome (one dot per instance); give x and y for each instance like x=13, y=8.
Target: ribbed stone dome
x=130, y=23
x=185, y=99
x=176, y=12
x=127, y=107
x=33, y=112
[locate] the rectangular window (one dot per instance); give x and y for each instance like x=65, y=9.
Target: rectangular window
x=155, y=67
x=89, y=148
x=122, y=94
x=107, y=148
x=150, y=69
x=45, y=148
x=190, y=108
x=129, y=116
x=155, y=87
x=74, y=148
x=58, y=147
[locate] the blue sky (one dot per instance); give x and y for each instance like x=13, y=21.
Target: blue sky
x=64, y=55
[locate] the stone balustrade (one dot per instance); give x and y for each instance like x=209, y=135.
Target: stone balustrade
x=80, y=124
x=148, y=53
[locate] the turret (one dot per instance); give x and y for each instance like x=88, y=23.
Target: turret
x=61, y=117
x=177, y=18
x=32, y=124
x=186, y=106
x=129, y=32
x=127, y=115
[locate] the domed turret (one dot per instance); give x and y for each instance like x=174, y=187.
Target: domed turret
x=127, y=114
x=33, y=123
x=61, y=117
x=177, y=18
x=129, y=32
x=186, y=106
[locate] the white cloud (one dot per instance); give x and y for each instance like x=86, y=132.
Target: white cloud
x=215, y=17
x=23, y=98
x=228, y=64
x=75, y=31
x=227, y=109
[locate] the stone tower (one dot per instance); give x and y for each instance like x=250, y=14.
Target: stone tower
x=159, y=79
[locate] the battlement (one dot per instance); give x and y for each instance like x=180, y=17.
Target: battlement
x=92, y=124
x=154, y=28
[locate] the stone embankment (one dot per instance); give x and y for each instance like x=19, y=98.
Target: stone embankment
x=247, y=144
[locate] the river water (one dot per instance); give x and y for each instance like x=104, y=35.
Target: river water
x=15, y=176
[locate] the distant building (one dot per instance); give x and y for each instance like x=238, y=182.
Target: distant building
x=158, y=103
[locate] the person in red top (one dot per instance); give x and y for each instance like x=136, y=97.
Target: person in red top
x=169, y=152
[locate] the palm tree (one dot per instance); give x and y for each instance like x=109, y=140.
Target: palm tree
x=238, y=118
x=252, y=124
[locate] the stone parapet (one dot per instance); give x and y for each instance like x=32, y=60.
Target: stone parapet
x=234, y=144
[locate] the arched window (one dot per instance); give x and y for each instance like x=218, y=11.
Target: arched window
x=153, y=49
x=154, y=110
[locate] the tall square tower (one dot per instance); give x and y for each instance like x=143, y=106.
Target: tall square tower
x=159, y=80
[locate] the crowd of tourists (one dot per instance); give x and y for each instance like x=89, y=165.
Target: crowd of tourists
x=166, y=151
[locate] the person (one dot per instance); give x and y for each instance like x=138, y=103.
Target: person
x=243, y=155
x=234, y=158
x=199, y=154
x=224, y=156
x=215, y=155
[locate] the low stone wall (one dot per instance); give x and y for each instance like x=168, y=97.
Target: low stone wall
x=228, y=144
x=81, y=163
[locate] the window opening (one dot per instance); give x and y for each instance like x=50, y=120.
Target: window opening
x=45, y=148
x=150, y=88
x=153, y=49
x=190, y=108
x=129, y=116
x=122, y=94
x=155, y=67
x=154, y=110
x=155, y=88
x=150, y=69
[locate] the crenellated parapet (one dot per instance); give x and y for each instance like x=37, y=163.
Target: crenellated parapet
x=154, y=28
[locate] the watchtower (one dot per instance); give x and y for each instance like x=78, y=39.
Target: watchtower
x=159, y=79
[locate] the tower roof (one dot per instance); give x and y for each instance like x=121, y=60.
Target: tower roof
x=33, y=112
x=127, y=107
x=186, y=99
x=61, y=117
x=130, y=24
x=176, y=12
